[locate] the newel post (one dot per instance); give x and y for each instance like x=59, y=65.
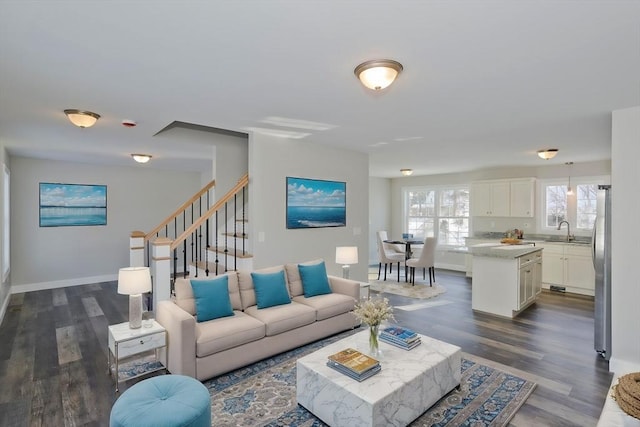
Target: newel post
x=161, y=270
x=136, y=249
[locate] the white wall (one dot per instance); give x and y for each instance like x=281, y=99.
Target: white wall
x=271, y=160
x=625, y=238
x=138, y=198
x=232, y=161
x=379, y=212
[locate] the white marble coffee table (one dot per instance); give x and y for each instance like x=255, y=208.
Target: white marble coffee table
x=410, y=383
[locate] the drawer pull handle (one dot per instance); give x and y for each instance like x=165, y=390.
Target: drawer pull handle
x=141, y=341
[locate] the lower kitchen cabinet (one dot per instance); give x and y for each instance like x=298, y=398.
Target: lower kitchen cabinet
x=568, y=266
x=505, y=286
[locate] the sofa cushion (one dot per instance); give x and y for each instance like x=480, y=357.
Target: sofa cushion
x=212, y=298
x=227, y=332
x=328, y=305
x=245, y=282
x=283, y=318
x=314, y=279
x=271, y=289
x=293, y=277
x=184, y=293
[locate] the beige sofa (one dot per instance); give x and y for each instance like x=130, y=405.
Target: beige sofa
x=206, y=349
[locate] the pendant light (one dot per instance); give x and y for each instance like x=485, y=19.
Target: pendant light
x=569, y=189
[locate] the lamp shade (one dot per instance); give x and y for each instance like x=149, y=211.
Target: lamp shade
x=347, y=255
x=134, y=280
x=379, y=73
x=547, y=154
x=82, y=119
x=141, y=158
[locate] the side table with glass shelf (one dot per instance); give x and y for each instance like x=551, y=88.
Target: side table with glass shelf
x=125, y=342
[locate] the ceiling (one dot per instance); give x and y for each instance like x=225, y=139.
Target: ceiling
x=485, y=83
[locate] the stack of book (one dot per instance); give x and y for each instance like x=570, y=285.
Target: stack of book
x=400, y=337
x=354, y=364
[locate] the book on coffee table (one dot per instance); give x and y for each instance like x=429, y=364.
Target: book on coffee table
x=400, y=337
x=400, y=333
x=348, y=372
x=400, y=343
x=354, y=361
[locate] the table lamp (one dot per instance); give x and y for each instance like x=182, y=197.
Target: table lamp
x=134, y=281
x=346, y=255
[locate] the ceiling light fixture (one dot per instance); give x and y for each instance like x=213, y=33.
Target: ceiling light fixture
x=547, y=154
x=378, y=73
x=141, y=158
x=82, y=119
x=406, y=172
x=569, y=189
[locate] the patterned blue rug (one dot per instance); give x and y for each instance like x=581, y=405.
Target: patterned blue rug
x=264, y=394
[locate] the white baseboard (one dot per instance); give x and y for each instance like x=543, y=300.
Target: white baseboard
x=621, y=367
x=30, y=287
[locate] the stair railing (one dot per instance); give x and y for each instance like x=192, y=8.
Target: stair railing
x=201, y=227
x=181, y=218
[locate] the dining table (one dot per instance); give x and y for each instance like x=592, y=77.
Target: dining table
x=407, y=251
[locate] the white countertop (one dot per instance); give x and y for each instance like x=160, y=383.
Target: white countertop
x=498, y=250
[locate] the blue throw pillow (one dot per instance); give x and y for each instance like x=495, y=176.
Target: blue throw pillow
x=271, y=289
x=212, y=298
x=314, y=279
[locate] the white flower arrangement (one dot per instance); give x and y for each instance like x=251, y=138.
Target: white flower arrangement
x=373, y=311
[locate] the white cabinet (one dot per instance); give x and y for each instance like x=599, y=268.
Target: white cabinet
x=505, y=286
x=522, y=198
x=490, y=198
x=504, y=198
x=529, y=279
x=569, y=266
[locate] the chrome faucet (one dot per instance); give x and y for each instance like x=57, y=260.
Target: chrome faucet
x=569, y=235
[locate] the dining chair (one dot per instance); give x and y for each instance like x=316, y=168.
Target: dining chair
x=387, y=255
x=426, y=260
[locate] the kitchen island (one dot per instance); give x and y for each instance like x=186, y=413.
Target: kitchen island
x=506, y=278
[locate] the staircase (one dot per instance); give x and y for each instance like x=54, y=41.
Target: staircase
x=204, y=239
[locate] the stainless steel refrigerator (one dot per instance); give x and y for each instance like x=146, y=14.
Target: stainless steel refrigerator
x=602, y=263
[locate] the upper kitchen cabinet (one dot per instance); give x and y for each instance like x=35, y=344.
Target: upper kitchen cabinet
x=503, y=198
x=522, y=198
x=490, y=198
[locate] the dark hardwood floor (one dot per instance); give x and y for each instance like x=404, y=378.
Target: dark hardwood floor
x=53, y=352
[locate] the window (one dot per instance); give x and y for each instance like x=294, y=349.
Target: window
x=579, y=208
x=441, y=212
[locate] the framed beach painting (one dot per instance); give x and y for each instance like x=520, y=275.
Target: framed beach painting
x=64, y=205
x=315, y=203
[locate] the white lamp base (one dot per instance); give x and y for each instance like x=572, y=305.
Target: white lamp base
x=135, y=311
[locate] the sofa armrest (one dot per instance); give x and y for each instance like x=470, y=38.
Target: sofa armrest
x=181, y=338
x=345, y=286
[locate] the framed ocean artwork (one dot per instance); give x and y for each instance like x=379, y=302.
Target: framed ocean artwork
x=65, y=205
x=315, y=203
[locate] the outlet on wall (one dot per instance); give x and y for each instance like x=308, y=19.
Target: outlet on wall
x=493, y=224
x=526, y=225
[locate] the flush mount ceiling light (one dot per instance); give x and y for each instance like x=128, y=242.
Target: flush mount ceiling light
x=547, y=154
x=141, y=158
x=406, y=172
x=378, y=73
x=82, y=119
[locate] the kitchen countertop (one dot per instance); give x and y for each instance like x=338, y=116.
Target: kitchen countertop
x=579, y=240
x=502, y=251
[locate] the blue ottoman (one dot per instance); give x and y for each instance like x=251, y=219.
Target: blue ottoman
x=164, y=401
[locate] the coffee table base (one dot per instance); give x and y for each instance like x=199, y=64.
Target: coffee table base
x=410, y=383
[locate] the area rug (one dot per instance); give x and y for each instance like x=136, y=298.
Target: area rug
x=419, y=291
x=264, y=394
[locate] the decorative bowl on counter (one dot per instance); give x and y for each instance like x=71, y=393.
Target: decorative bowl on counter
x=510, y=241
